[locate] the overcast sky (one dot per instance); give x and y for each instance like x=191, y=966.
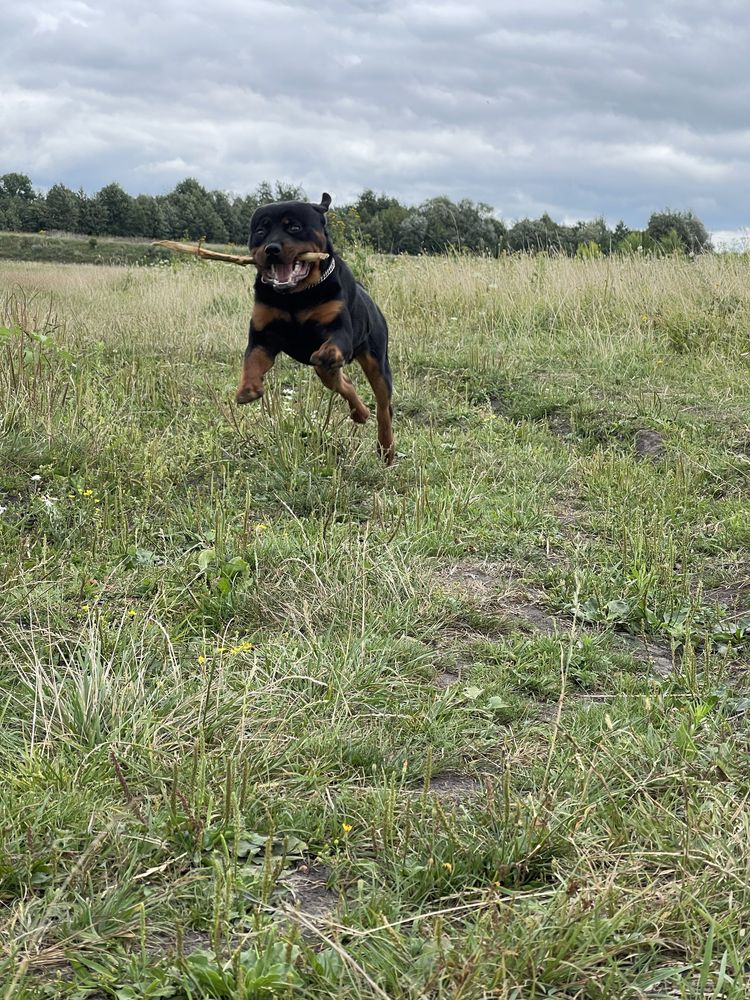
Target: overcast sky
x=575, y=107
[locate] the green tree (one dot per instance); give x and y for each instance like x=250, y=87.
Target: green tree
x=383, y=231
x=546, y=235
x=594, y=231
x=266, y=192
x=91, y=217
x=691, y=233
x=439, y=223
x=150, y=214
x=115, y=208
x=412, y=233
x=16, y=186
x=11, y=217
x=242, y=210
x=345, y=226
x=556, y=238
x=379, y=220
x=193, y=214
x=670, y=243
x=620, y=233
x=222, y=206
x=61, y=209
x=284, y=191
x=444, y=225
x=532, y=235
x=139, y=216
x=636, y=241
x=22, y=208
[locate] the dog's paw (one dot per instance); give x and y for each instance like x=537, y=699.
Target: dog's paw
x=247, y=394
x=359, y=414
x=328, y=356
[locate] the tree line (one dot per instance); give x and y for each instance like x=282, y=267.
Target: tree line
x=192, y=212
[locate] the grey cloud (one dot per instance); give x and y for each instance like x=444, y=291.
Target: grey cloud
x=576, y=107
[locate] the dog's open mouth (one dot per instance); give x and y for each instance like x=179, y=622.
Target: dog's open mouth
x=285, y=276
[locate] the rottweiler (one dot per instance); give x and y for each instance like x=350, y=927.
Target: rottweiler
x=314, y=311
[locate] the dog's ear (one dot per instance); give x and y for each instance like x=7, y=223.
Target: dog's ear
x=325, y=202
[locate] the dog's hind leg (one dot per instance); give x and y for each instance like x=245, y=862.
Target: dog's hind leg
x=337, y=381
x=378, y=375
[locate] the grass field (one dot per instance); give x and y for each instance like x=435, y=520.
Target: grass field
x=64, y=248
x=276, y=721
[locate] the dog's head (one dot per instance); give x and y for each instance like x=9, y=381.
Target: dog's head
x=279, y=233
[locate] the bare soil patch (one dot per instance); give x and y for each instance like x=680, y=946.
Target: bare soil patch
x=649, y=444
x=734, y=592
x=496, y=585
x=525, y=612
x=560, y=423
x=476, y=577
x=657, y=655
x=311, y=896
x=534, y=618
x=451, y=787
x=447, y=678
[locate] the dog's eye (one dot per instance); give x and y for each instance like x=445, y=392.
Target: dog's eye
x=293, y=227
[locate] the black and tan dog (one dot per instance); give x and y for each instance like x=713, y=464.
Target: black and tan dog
x=314, y=311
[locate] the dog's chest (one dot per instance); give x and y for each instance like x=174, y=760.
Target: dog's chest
x=297, y=332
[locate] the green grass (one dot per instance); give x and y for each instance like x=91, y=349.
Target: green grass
x=63, y=248
x=484, y=713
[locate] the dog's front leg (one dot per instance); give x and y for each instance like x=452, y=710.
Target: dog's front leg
x=336, y=349
x=329, y=360
x=258, y=361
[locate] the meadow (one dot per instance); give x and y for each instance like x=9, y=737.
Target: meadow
x=277, y=721
x=64, y=248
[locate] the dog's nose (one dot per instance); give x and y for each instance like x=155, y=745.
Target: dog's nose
x=273, y=249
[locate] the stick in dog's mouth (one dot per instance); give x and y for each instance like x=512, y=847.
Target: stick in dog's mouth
x=229, y=258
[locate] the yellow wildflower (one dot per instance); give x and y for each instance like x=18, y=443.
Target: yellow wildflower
x=346, y=827
x=244, y=647
x=448, y=866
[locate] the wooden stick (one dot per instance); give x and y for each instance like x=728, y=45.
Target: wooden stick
x=201, y=251
x=312, y=255
x=229, y=258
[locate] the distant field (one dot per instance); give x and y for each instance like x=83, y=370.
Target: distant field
x=64, y=248
x=278, y=721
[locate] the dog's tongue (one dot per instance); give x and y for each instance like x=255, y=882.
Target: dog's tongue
x=283, y=273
